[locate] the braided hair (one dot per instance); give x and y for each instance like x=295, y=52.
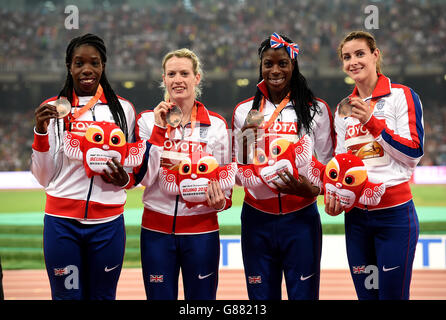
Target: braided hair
x=112, y=100
x=301, y=96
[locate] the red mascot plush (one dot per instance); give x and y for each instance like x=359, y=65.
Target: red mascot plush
x=102, y=142
x=272, y=155
x=345, y=177
x=192, y=178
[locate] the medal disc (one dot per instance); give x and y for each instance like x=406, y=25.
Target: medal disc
x=174, y=116
x=345, y=108
x=254, y=117
x=63, y=107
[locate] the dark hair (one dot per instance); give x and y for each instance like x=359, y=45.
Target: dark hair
x=301, y=96
x=112, y=100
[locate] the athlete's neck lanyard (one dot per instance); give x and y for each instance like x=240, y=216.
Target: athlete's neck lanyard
x=276, y=112
x=78, y=112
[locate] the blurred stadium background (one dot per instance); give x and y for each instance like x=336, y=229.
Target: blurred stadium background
x=226, y=35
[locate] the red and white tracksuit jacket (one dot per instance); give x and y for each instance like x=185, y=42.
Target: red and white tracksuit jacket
x=390, y=143
x=285, y=125
x=169, y=213
x=69, y=192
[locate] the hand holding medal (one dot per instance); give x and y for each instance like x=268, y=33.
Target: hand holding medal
x=168, y=113
x=174, y=116
x=362, y=110
x=59, y=108
x=345, y=108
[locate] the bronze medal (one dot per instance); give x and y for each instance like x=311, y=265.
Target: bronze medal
x=254, y=117
x=63, y=107
x=345, y=108
x=174, y=116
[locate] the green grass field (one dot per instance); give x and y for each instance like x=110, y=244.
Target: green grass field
x=21, y=245
x=34, y=200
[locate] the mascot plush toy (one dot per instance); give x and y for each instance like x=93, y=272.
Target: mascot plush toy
x=345, y=177
x=272, y=155
x=192, y=178
x=102, y=142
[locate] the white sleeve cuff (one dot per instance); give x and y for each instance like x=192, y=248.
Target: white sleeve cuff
x=40, y=134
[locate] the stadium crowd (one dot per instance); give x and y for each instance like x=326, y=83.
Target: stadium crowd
x=16, y=137
x=224, y=33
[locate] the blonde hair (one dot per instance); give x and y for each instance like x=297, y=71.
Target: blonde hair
x=196, y=66
x=369, y=39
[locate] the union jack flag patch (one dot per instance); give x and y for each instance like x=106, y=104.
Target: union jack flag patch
x=358, y=269
x=156, y=278
x=254, y=279
x=60, y=271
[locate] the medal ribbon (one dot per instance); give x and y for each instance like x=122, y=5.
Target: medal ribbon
x=89, y=104
x=276, y=112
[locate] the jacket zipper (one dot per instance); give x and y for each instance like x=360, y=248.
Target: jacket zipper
x=178, y=196
x=175, y=213
x=92, y=178
x=279, y=118
x=88, y=197
x=280, y=204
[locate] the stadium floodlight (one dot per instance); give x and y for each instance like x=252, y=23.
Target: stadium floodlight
x=242, y=82
x=128, y=84
x=349, y=80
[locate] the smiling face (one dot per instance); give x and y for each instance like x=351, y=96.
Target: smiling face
x=359, y=61
x=180, y=80
x=86, y=69
x=277, y=69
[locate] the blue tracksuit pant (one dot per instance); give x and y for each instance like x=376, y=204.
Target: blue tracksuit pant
x=163, y=255
x=385, y=239
x=83, y=261
x=288, y=244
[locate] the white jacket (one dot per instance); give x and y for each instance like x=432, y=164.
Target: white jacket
x=322, y=137
x=390, y=143
x=70, y=193
x=169, y=213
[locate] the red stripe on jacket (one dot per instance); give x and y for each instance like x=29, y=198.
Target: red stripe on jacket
x=192, y=224
x=394, y=196
x=71, y=208
x=283, y=205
